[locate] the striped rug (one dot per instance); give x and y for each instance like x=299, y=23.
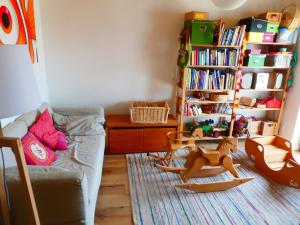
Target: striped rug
x=261, y=201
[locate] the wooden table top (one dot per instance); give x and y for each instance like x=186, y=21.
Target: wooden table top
x=124, y=121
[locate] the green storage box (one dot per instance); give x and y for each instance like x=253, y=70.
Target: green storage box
x=202, y=31
x=272, y=28
x=255, y=60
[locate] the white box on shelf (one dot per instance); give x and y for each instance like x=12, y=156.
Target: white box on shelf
x=261, y=81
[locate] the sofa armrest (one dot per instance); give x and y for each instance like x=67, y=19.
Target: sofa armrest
x=99, y=111
x=61, y=196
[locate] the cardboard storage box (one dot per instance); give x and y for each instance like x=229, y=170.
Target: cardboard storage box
x=202, y=32
x=272, y=17
x=254, y=25
x=272, y=28
x=254, y=126
x=255, y=60
x=260, y=81
x=267, y=128
x=254, y=37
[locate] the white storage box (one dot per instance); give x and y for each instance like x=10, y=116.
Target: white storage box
x=261, y=81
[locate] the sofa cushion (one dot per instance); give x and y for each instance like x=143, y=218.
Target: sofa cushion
x=44, y=130
x=30, y=117
x=97, y=111
x=85, y=153
x=35, y=152
x=79, y=125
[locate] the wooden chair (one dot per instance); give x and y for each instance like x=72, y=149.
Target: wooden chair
x=178, y=141
x=218, y=159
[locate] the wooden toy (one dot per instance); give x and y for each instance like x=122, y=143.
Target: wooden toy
x=273, y=155
x=178, y=140
x=218, y=159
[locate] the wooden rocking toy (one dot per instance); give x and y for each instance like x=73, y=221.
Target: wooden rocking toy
x=273, y=155
x=178, y=140
x=218, y=160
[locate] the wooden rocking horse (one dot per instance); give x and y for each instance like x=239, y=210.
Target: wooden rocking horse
x=218, y=160
x=178, y=141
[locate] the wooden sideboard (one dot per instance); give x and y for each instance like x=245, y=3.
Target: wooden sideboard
x=124, y=137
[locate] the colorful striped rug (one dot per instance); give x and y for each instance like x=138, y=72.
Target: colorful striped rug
x=261, y=201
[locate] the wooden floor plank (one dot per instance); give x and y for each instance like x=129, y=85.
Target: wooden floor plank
x=114, y=205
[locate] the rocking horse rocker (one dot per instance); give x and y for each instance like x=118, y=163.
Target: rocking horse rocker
x=218, y=160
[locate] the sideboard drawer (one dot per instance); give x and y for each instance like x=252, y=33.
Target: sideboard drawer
x=125, y=140
x=155, y=139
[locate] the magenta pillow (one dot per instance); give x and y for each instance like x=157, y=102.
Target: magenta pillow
x=61, y=141
x=44, y=130
x=35, y=152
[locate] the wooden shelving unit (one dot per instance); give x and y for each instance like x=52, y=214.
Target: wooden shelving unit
x=237, y=70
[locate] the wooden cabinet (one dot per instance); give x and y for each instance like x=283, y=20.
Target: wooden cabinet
x=126, y=137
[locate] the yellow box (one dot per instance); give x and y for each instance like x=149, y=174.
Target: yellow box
x=254, y=37
x=196, y=16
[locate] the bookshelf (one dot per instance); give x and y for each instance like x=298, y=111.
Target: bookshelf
x=185, y=87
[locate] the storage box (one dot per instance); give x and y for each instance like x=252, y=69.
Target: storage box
x=253, y=126
x=201, y=31
x=268, y=37
x=272, y=17
x=247, y=101
x=252, y=51
x=286, y=35
x=278, y=59
x=267, y=128
x=255, y=60
x=149, y=112
x=260, y=81
x=254, y=37
x=254, y=25
x=272, y=28
x=196, y=16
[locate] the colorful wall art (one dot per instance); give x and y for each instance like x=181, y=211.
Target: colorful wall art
x=17, y=25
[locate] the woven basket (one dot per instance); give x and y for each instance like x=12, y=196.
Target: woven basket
x=149, y=112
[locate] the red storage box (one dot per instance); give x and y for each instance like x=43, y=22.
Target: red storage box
x=268, y=37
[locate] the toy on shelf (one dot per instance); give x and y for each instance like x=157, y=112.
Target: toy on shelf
x=179, y=140
x=273, y=156
x=218, y=159
x=208, y=129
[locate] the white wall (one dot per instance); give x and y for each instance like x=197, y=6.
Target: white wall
x=110, y=52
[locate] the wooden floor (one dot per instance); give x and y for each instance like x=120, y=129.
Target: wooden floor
x=113, y=206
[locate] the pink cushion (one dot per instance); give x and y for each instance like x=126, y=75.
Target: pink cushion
x=61, y=141
x=44, y=130
x=35, y=152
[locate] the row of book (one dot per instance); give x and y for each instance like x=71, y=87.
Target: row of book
x=192, y=110
x=196, y=110
x=213, y=57
x=209, y=80
x=233, y=36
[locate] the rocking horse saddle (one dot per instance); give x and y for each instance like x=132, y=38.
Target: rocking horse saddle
x=211, y=155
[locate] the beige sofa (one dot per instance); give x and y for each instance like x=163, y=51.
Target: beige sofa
x=66, y=192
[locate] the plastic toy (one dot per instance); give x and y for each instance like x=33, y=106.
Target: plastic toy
x=273, y=155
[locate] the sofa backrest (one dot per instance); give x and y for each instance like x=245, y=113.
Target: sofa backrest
x=18, y=129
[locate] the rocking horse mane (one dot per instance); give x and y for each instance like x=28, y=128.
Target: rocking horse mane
x=222, y=147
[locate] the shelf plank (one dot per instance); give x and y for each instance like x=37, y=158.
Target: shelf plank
x=203, y=115
x=207, y=90
x=207, y=102
x=257, y=109
x=265, y=43
x=216, y=46
x=261, y=90
x=213, y=67
x=265, y=67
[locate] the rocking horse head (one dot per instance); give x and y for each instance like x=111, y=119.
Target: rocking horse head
x=233, y=144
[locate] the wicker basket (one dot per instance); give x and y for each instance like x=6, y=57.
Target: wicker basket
x=219, y=97
x=149, y=112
